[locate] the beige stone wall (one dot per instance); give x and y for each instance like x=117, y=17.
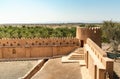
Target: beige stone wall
x=97, y=61
x=32, y=48
x=93, y=33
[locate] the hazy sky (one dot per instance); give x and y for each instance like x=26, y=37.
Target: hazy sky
x=60, y=11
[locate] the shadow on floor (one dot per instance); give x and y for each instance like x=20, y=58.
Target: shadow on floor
x=115, y=76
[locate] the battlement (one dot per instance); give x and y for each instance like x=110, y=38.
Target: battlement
x=93, y=28
x=7, y=42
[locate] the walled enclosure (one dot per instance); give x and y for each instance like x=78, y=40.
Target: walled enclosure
x=97, y=62
x=33, y=48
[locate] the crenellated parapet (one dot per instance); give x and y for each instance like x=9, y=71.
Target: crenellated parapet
x=36, y=47
x=7, y=42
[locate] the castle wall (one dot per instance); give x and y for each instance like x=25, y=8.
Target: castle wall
x=97, y=61
x=33, y=48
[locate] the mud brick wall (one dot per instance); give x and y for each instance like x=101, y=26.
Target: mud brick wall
x=37, y=47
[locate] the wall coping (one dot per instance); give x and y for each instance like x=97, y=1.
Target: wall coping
x=38, y=38
x=96, y=48
x=89, y=27
x=96, y=60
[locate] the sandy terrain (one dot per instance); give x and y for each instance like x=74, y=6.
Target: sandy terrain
x=15, y=69
x=107, y=47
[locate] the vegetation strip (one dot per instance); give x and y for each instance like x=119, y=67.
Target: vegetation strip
x=36, y=32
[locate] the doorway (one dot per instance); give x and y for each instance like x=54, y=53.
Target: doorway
x=82, y=43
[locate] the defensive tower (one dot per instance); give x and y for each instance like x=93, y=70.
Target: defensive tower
x=94, y=33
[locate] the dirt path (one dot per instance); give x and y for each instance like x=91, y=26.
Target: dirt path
x=15, y=69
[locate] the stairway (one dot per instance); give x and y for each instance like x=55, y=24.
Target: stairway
x=76, y=56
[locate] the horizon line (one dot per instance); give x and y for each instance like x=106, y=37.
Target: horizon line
x=49, y=23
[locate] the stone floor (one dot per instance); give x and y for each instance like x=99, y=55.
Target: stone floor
x=15, y=69
x=85, y=73
x=55, y=69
